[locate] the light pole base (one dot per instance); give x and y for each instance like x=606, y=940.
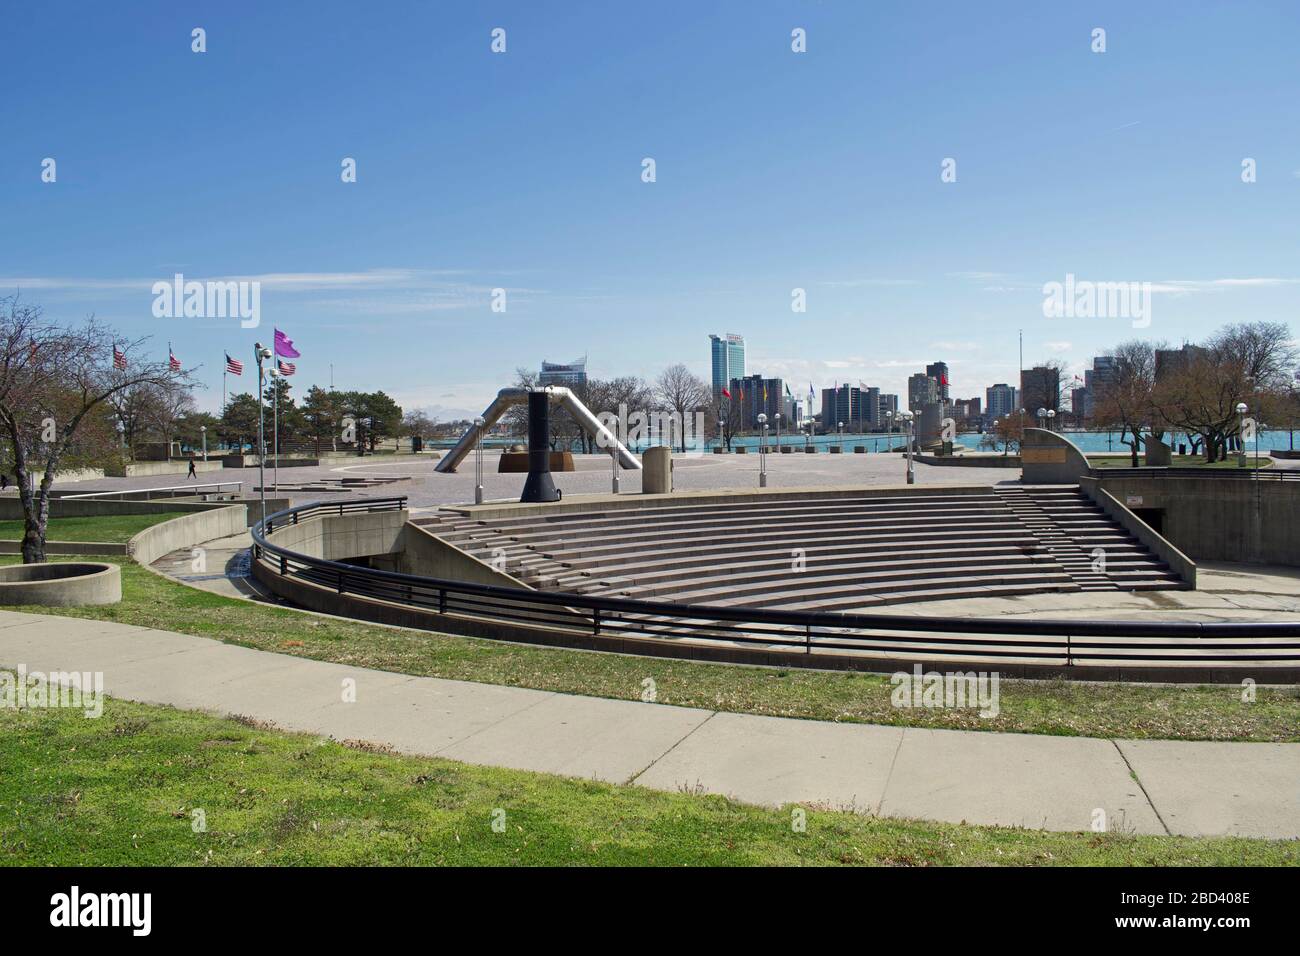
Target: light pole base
x=762, y=481
x=478, y=494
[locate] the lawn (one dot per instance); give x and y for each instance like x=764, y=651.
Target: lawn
x=1179, y=461
x=1065, y=708
x=124, y=790
x=103, y=529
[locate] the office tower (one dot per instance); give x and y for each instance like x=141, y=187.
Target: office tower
x=1001, y=400
x=922, y=390
x=939, y=372
x=728, y=357
x=570, y=375
x=1040, y=387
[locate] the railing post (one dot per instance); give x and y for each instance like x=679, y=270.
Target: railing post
x=595, y=621
x=284, y=565
x=340, y=573
x=807, y=638
x=442, y=600
x=1069, y=651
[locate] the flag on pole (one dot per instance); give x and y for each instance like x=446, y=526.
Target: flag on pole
x=119, y=359
x=173, y=363
x=284, y=346
x=788, y=393
x=286, y=368
x=726, y=393
x=234, y=367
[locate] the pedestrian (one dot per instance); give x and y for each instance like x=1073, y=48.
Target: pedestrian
x=192, y=473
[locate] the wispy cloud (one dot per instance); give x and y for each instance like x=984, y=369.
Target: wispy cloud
x=855, y=283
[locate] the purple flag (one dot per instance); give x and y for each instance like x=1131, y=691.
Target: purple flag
x=284, y=346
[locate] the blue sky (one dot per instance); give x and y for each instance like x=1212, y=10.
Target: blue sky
x=775, y=170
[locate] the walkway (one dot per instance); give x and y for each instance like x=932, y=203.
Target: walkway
x=1056, y=783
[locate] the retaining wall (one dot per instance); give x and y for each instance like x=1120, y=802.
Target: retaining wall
x=186, y=532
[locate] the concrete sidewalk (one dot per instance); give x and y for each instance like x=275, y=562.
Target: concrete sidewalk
x=1055, y=783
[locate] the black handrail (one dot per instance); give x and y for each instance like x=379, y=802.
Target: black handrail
x=806, y=630
x=1159, y=471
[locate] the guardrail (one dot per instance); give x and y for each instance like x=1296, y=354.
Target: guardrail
x=148, y=492
x=1120, y=645
x=1144, y=471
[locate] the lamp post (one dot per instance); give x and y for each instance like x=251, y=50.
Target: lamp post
x=261, y=353
x=1051, y=419
x=121, y=434
x=613, y=461
x=762, y=451
x=840, y=429
x=906, y=417
x=478, y=460
x=1042, y=418
x=1241, y=430
x=722, y=434
x=777, y=418
x=203, y=430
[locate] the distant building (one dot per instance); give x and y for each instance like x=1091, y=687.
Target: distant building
x=922, y=390
x=841, y=404
x=728, y=357
x=1177, y=360
x=888, y=409
x=1001, y=400
x=939, y=372
x=1040, y=387
x=1095, y=382
x=570, y=375
x=752, y=396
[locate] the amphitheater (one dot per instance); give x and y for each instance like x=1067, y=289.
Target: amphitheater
x=816, y=551
x=1036, y=579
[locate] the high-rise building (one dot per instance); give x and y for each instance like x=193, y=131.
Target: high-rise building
x=922, y=390
x=1001, y=400
x=939, y=372
x=728, y=355
x=1095, y=382
x=752, y=396
x=569, y=374
x=1040, y=387
x=841, y=404
x=888, y=409
x=1176, y=360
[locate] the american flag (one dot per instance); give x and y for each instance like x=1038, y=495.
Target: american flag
x=234, y=367
x=286, y=368
x=119, y=358
x=173, y=362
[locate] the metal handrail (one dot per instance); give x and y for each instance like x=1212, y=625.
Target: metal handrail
x=805, y=630
x=136, y=491
x=1157, y=471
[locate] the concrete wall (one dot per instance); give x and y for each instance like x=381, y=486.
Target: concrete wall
x=1220, y=519
x=1049, y=458
x=339, y=537
x=426, y=554
x=68, y=547
x=187, y=531
x=11, y=508
x=1160, y=546
x=145, y=469
x=61, y=584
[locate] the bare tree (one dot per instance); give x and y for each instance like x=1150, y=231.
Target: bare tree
x=1125, y=403
x=54, y=381
x=682, y=392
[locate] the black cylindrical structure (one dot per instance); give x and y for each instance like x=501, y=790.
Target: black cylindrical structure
x=539, y=486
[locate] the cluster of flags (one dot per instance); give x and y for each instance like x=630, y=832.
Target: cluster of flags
x=284, y=349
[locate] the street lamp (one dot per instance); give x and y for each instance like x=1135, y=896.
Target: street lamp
x=777, y=417
x=1241, y=430
x=840, y=429
x=722, y=427
x=121, y=433
x=478, y=459
x=906, y=418
x=261, y=353
x=203, y=430
x=1051, y=419
x=762, y=452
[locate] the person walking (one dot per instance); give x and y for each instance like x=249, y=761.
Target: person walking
x=192, y=473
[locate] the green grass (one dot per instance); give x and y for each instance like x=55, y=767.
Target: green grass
x=1178, y=461
x=1063, y=708
x=103, y=529
x=122, y=790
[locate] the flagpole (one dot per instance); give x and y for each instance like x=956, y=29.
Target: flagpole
x=275, y=425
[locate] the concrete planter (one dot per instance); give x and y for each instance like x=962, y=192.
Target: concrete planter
x=64, y=584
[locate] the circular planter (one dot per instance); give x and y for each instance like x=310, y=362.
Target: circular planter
x=61, y=584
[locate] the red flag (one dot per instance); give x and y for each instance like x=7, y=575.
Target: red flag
x=726, y=393
x=119, y=358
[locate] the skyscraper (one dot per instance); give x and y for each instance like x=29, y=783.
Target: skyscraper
x=571, y=375
x=1001, y=400
x=728, y=360
x=939, y=372
x=922, y=390
x=1040, y=387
